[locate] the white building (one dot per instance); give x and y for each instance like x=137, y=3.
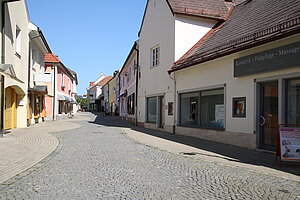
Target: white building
x=37, y=77
x=169, y=29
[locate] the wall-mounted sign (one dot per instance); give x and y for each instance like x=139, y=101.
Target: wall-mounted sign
x=290, y=143
x=239, y=107
x=274, y=59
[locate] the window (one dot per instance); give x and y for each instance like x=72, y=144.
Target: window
x=130, y=104
x=202, y=109
x=151, y=109
x=18, y=41
x=62, y=80
x=155, y=52
x=293, y=101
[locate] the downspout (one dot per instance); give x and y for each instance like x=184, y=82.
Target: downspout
x=174, y=104
x=136, y=85
x=54, y=92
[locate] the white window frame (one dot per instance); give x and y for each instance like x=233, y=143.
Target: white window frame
x=155, y=56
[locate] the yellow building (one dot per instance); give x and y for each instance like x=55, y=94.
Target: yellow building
x=112, y=97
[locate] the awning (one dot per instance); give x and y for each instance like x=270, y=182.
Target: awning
x=8, y=71
x=39, y=89
x=63, y=97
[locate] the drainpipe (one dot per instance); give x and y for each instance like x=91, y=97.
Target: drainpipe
x=174, y=104
x=136, y=85
x=54, y=91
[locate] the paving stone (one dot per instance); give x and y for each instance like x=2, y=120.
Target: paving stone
x=88, y=164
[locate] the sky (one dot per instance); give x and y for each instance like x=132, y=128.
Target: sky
x=91, y=36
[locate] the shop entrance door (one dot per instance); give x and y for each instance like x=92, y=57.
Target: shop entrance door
x=268, y=119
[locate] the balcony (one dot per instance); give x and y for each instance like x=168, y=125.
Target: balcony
x=46, y=78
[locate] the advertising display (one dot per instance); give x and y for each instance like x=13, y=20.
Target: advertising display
x=290, y=143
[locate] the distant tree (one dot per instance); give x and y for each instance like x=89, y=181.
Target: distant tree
x=82, y=101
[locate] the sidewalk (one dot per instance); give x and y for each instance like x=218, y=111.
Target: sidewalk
x=227, y=155
x=23, y=148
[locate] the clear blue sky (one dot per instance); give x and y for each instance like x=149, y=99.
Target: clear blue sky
x=90, y=36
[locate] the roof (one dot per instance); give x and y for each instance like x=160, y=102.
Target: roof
x=216, y=9
x=50, y=57
x=249, y=25
x=213, y=9
x=105, y=81
x=134, y=47
x=74, y=74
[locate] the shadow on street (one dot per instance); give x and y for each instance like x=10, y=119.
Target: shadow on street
x=238, y=154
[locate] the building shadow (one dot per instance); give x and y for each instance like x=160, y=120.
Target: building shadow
x=231, y=153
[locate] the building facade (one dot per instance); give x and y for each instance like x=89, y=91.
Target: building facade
x=112, y=96
x=127, y=85
x=59, y=102
x=235, y=87
x=167, y=32
x=15, y=41
x=37, y=90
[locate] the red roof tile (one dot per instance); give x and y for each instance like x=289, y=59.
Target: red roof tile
x=251, y=23
x=203, y=8
x=50, y=57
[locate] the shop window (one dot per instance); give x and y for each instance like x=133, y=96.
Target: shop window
x=293, y=101
x=202, y=109
x=212, y=108
x=151, y=109
x=189, y=104
x=239, y=107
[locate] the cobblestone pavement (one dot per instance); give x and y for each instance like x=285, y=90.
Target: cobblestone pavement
x=97, y=161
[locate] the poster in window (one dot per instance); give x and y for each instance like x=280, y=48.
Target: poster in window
x=219, y=114
x=239, y=107
x=170, y=108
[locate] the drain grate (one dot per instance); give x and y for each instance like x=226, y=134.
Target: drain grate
x=189, y=153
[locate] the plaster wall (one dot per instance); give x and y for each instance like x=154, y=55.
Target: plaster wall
x=188, y=31
x=219, y=72
x=158, y=30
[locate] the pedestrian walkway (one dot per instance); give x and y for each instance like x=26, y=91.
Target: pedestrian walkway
x=23, y=148
x=259, y=161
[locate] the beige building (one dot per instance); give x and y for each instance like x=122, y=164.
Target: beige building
x=112, y=97
x=15, y=42
x=243, y=79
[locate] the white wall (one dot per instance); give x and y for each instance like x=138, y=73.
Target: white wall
x=188, y=31
x=158, y=29
x=220, y=71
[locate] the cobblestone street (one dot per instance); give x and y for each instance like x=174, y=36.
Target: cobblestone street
x=98, y=161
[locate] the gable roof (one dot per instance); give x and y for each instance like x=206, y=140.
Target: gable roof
x=216, y=9
x=105, y=81
x=213, y=9
x=251, y=23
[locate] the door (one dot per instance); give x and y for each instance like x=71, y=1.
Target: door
x=268, y=119
x=10, y=112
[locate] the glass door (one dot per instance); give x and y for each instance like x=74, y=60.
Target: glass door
x=268, y=118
